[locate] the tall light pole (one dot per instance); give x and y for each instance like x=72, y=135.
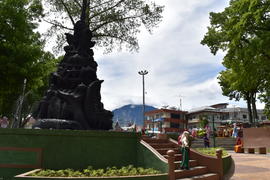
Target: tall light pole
x=143, y=73
x=214, y=132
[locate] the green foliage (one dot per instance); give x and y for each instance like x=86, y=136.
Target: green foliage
x=21, y=51
x=212, y=151
x=114, y=23
x=201, y=132
x=203, y=121
x=242, y=31
x=90, y=172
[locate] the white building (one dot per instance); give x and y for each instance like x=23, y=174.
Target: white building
x=219, y=114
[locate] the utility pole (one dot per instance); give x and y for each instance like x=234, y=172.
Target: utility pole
x=143, y=73
x=213, y=124
x=180, y=102
x=18, y=114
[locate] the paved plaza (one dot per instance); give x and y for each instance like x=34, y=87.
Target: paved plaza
x=251, y=166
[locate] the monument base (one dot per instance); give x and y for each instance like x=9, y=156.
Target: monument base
x=56, y=124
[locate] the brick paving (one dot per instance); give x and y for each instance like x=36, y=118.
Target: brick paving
x=251, y=166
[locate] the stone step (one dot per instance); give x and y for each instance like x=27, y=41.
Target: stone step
x=154, y=140
x=178, y=157
x=163, y=145
x=193, y=171
x=163, y=151
x=207, y=176
x=192, y=163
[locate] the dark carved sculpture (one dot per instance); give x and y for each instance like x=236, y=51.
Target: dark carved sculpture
x=73, y=100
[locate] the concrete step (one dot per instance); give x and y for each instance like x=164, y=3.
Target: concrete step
x=154, y=140
x=178, y=157
x=192, y=163
x=163, y=151
x=193, y=171
x=207, y=176
x=163, y=145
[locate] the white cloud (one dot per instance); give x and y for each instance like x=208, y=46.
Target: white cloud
x=176, y=61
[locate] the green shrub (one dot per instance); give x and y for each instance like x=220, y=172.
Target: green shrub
x=90, y=172
x=211, y=151
x=201, y=132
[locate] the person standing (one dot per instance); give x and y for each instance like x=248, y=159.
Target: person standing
x=206, y=141
x=235, y=131
x=185, y=144
x=207, y=130
x=4, y=122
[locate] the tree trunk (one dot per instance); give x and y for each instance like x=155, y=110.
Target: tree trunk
x=254, y=109
x=250, y=117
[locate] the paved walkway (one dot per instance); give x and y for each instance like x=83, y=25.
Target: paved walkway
x=251, y=166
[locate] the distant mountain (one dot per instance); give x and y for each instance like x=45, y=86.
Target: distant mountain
x=130, y=113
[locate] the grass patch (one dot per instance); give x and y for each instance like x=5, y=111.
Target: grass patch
x=90, y=172
x=211, y=151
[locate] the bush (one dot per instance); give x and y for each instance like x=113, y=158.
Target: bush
x=201, y=132
x=90, y=172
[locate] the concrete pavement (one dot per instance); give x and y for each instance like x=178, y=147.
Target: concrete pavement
x=251, y=166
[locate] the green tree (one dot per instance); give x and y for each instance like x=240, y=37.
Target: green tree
x=115, y=23
x=21, y=52
x=242, y=31
x=203, y=121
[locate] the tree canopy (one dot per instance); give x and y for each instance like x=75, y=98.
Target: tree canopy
x=115, y=23
x=242, y=31
x=21, y=52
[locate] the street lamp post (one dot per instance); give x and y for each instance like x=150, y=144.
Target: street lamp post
x=143, y=73
x=213, y=124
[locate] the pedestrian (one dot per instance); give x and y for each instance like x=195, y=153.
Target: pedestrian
x=206, y=141
x=207, y=130
x=185, y=144
x=235, y=131
x=4, y=122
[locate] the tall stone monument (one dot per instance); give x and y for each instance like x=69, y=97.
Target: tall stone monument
x=73, y=100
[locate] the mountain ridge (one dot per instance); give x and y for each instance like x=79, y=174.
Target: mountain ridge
x=130, y=113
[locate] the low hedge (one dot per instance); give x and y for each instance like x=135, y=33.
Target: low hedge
x=212, y=151
x=90, y=172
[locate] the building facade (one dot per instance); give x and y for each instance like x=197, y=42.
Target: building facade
x=220, y=114
x=213, y=114
x=165, y=121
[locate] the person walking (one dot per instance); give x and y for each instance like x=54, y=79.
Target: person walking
x=185, y=144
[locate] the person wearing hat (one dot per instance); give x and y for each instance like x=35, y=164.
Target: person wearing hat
x=185, y=144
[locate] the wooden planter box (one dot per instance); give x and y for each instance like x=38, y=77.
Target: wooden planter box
x=142, y=177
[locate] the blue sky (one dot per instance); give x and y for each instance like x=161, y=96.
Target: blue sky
x=178, y=64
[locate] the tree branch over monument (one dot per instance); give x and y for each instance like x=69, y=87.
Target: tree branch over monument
x=129, y=16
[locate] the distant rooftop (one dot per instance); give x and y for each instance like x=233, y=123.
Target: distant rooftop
x=203, y=108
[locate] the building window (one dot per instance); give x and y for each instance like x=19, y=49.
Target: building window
x=244, y=116
x=174, y=125
x=175, y=116
x=263, y=118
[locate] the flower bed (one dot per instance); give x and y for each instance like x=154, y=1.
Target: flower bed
x=90, y=172
x=127, y=172
x=211, y=151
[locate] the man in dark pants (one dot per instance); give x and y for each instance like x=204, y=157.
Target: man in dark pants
x=206, y=141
